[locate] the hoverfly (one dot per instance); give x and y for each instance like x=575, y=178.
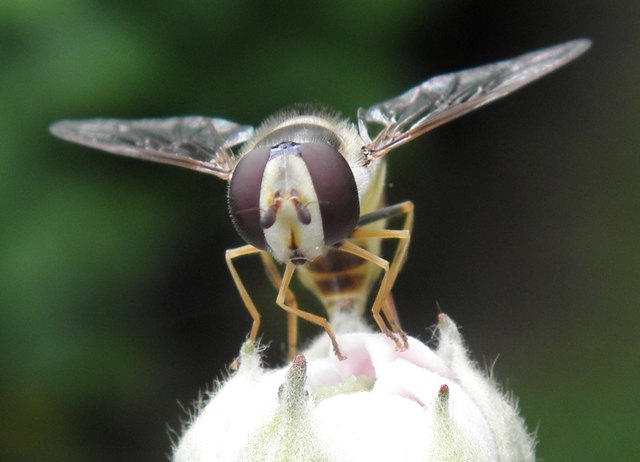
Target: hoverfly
x=306, y=188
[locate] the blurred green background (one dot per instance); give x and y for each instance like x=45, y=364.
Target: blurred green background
x=115, y=302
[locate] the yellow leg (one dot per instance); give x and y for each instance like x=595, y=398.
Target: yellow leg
x=292, y=320
x=230, y=255
x=313, y=318
x=384, y=290
x=391, y=314
x=384, y=301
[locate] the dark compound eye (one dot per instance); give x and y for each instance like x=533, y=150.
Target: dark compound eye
x=336, y=189
x=244, y=196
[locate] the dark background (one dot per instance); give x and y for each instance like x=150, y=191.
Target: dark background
x=115, y=301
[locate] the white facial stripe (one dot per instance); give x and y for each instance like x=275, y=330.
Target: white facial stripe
x=286, y=180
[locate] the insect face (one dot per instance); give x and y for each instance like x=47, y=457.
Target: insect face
x=294, y=199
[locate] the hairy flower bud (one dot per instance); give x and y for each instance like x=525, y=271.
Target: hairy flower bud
x=377, y=405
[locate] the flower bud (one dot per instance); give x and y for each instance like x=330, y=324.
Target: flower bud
x=377, y=405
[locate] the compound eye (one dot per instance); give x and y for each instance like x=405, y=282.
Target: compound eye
x=244, y=196
x=335, y=188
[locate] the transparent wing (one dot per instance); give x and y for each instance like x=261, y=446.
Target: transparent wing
x=196, y=143
x=446, y=97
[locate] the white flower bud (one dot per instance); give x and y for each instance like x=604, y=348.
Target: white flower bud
x=377, y=405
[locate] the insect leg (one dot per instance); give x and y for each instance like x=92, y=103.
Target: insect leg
x=292, y=320
x=384, y=290
x=383, y=213
x=248, y=303
x=403, y=208
x=383, y=301
x=313, y=318
x=390, y=312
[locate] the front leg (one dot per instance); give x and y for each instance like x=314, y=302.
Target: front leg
x=230, y=255
x=384, y=300
x=292, y=320
x=294, y=310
